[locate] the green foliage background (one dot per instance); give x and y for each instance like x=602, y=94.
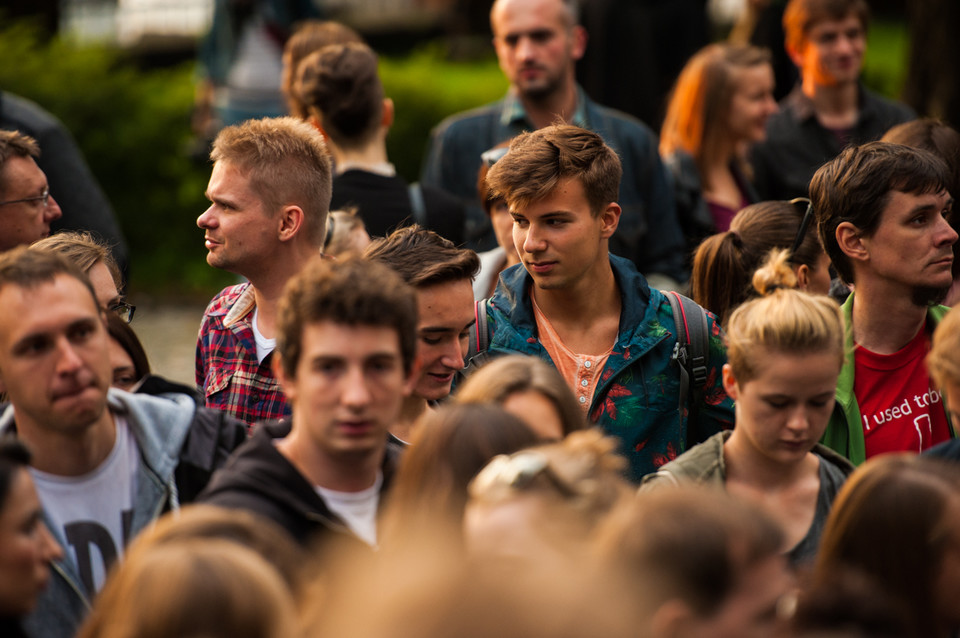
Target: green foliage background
x=134, y=129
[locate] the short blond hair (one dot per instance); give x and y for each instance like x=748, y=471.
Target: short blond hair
x=943, y=360
x=287, y=162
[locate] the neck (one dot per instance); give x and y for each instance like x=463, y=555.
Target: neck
x=561, y=103
x=343, y=473
x=884, y=321
x=745, y=465
x=833, y=103
x=591, y=298
x=411, y=410
x=371, y=154
x=68, y=453
x=268, y=284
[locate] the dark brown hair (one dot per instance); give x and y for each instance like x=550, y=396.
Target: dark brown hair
x=340, y=86
x=422, y=257
x=349, y=291
x=855, y=187
x=723, y=264
x=15, y=144
x=888, y=522
x=801, y=15
x=121, y=332
x=538, y=161
x=83, y=249
x=28, y=268
x=310, y=36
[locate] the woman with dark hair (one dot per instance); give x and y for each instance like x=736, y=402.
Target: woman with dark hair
x=128, y=359
x=897, y=520
x=26, y=545
x=723, y=264
x=718, y=108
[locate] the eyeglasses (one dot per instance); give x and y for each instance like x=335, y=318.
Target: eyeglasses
x=804, y=223
x=123, y=309
x=45, y=198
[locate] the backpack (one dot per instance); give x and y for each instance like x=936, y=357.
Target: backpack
x=690, y=353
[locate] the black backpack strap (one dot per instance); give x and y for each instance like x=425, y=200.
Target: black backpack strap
x=690, y=352
x=417, y=204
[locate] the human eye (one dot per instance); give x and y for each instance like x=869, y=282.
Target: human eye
x=520, y=221
x=777, y=403
x=511, y=40
x=381, y=365
x=327, y=366
x=541, y=36
x=124, y=380
x=81, y=332
x=33, y=346
x=431, y=340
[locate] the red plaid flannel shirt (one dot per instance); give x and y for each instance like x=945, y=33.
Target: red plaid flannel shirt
x=228, y=373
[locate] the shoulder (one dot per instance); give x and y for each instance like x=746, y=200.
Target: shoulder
x=620, y=128
x=885, y=107
x=465, y=121
x=222, y=302
x=836, y=464
x=702, y=463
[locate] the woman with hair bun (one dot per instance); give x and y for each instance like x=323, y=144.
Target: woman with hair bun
x=785, y=350
x=723, y=264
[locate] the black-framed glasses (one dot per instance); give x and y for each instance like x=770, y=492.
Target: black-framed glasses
x=804, y=223
x=44, y=197
x=123, y=310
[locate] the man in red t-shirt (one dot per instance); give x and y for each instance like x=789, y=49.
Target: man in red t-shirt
x=881, y=212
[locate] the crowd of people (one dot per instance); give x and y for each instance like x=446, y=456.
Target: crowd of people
x=391, y=434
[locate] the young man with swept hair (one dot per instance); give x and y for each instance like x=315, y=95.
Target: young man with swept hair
x=829, y=108
x=269, y=194
x=346, y=340
x=538, y=43
x=105, y=462
x=442, y=275
x=589, y=313
x=881, y=213
x=26, y=207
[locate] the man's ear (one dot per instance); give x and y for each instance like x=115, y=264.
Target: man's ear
x=386, y=118
x=851, y=242
x=671, y=620
x=795, y=54
x=609, y=219
x=578, y=46
x=290, y=221
x=730, y=382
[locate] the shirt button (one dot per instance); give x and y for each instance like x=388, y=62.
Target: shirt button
x=584, y=383
x=583, y=399
x=587, y=364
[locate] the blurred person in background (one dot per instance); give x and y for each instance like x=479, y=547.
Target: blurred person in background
x=719, y=107
x=531, y=390
x=309, y=36
x=495, y=260
x=346, y=233
x=27, y=209
x=724, y=264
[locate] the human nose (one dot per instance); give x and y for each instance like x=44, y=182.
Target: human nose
x=53, y=209
x=356, y=393
x=531, y=240
x=453, y=356
x=206, y=218
x=525, y=48
x=68, y=361
x=798, y=421
x=50, y=549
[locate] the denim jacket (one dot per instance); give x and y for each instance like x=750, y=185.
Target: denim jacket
x=160, y=426
x=638, y=394
x=649, y=233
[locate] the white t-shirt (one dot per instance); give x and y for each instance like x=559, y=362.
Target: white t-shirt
x=264, y=346
x=93, y=512
x=357, y=509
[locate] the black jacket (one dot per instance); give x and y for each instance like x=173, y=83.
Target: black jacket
x=258, y=478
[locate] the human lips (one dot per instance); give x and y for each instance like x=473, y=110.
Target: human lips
x=355, y=427
x=210, y=243
x=541, y=267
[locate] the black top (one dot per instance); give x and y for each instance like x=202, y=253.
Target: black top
x=797, y=144
x=384, y=205
x=258, y=478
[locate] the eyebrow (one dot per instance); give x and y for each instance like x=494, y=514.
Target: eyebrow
x=442, y=329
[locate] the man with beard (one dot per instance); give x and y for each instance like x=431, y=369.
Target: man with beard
x=881, y=212
x=538, y=43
